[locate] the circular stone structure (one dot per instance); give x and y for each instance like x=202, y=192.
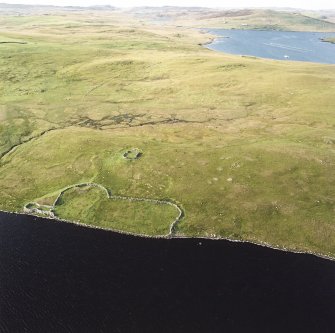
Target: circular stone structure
x=132, y=154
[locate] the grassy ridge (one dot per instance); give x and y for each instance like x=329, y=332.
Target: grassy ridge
x=263, y=19
x=246, y=146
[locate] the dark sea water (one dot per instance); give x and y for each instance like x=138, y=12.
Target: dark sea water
x=59, y=277
x=280, y=45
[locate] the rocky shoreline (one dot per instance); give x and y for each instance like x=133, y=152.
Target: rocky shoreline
x=180, y=236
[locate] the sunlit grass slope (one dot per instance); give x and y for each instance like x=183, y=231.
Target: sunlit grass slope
x=245, y=146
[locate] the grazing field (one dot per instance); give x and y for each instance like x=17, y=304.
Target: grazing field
x=245, y=146
x=92, y=207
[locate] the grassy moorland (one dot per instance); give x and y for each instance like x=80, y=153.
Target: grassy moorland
x=245, y=146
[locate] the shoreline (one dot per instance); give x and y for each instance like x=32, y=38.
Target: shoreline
x=263, y=29
x=327, y=40
x=169, y=236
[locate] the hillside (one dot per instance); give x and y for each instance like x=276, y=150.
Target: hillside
x=260, y=19
x=100, y=97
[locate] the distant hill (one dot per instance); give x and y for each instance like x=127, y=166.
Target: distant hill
x=250, y=18
x=19, y=8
